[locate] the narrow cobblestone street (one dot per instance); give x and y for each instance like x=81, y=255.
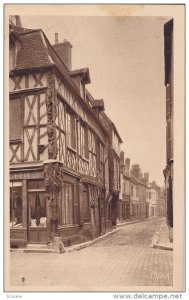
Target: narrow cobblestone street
x=124, y=258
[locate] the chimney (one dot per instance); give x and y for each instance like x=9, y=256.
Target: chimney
x=127, y=165
x=64, y=51
x=56, y=38
x=146, y=177
x=136, y=170
x=18, y=21
x=122, y=154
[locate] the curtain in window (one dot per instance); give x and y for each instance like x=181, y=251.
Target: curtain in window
x=37, y=208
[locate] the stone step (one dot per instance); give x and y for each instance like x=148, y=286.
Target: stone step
x=38, y=246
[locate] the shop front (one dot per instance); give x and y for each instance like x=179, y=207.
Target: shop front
x=48, y=201
x=37, y=213
x=28, y=206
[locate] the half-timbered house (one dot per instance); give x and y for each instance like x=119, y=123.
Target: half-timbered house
x=58, y=145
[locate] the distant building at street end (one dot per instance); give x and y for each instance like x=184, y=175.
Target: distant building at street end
x=139, y=199
x=124, y=205
x=138, y=193
x=169, y=84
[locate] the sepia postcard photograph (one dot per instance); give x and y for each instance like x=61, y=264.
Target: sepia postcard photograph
x=94, y=139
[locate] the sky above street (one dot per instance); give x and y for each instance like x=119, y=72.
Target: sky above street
x=125, y=57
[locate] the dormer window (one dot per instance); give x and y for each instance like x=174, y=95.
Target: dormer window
x=81, y=77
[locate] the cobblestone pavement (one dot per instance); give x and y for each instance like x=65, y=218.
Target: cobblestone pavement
x=121, y=259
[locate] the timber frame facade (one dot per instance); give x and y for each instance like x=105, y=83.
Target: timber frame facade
x=59, y=148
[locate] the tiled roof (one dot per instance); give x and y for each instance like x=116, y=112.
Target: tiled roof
x=37, y=52
x=20, y=30
x=137, y=180
x=60, y=65
x=33, y=52
x=105, y=117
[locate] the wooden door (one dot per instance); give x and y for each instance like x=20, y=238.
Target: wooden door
x=37, y=217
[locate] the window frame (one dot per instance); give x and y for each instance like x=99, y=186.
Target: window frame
x=84, y=141
x=70, y=127
x=66, y=218
x=14, y=185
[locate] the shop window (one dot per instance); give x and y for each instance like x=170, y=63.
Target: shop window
x=68, y=203
x=16, y=204
x=37, y=209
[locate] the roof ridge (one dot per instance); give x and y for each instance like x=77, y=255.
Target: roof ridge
x=22, y=30
x=52, y=47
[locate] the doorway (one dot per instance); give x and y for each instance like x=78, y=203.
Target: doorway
x=37, y=217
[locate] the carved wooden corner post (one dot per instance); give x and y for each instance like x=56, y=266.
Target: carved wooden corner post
x=51, y=103
x=53, y=184
x=53, y=168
